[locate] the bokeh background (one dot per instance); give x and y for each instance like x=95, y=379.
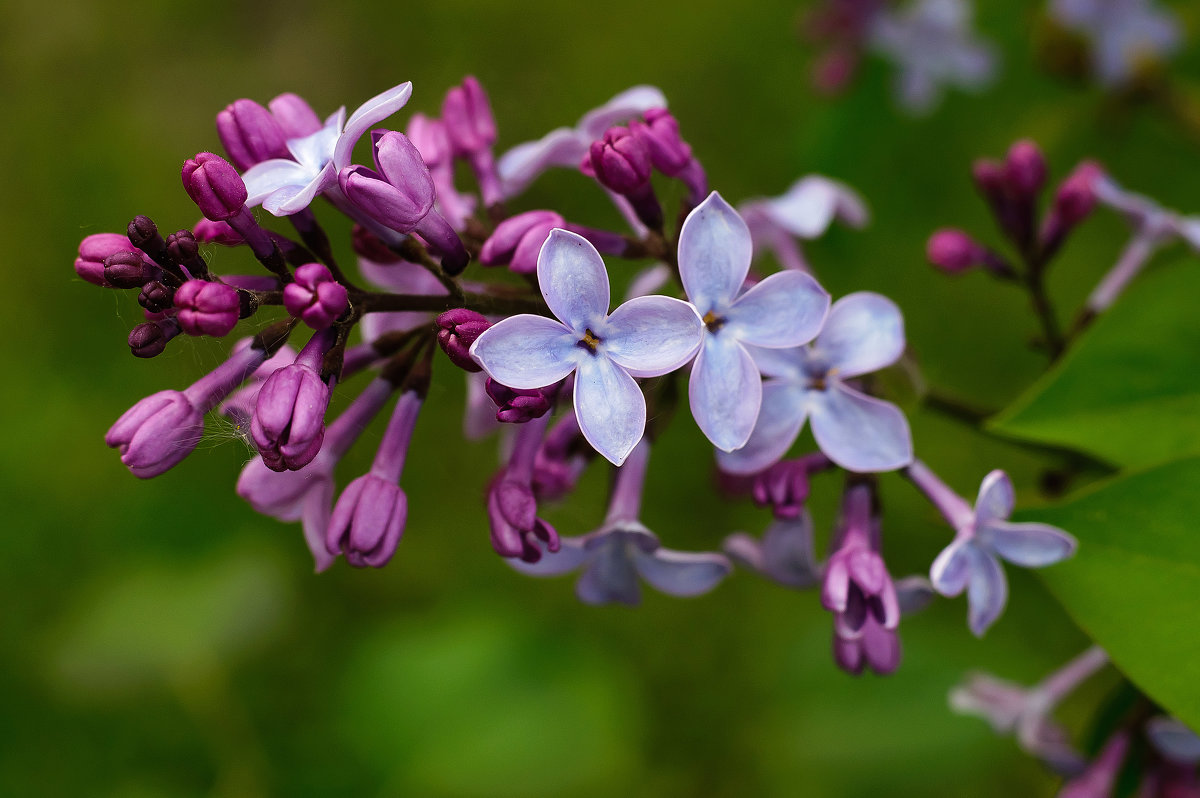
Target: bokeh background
x=161, y=639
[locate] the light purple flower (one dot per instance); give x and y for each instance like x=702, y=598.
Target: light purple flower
x=1124, y=34
x=784, y=554
x=983, y=537
x=932, y=45
x=805, y=210
x=784, y=310
x=284, y=186
x=565, y=146
x=1174, y=740
x=863, y=332
x=645, y=337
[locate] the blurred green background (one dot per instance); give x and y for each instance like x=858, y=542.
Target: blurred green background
x=161, y=639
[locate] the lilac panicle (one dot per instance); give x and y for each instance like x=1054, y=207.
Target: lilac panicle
x=784, y=310
x=250, y=134
x=206, y=308
x=315, y=297
x=289, y=417
x=457, y=330
x=215, y=186
x=645, y=337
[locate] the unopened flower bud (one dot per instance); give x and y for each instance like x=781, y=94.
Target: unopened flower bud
x=156, y=297
x=518, y=240
x=129, y=269
x=207, y=308
x=620, y=161
x=457, y=330
x=250, y=134
x=517, y=406
x=1077, y=195
x=143, y=234
x=429, y=137
x=94, y=250
x=295, y=116
x=1025, y=168
x=515, y=526
x=289, y=417
x=401, y=193
x=150, y=338
x=157, y=433
x=467, y=115
x=315, y=297
x=659, y=133
x=184, y=249
x=953, y=251
x=210, y=232
x=215, y=186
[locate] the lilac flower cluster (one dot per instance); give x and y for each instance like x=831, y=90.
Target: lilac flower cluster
x=568, y=377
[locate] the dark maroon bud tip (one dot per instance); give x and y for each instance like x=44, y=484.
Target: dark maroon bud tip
x=457, y=330
x=128, y=270
x=148, y=340
x=143, y=233
x=517, y=406
x=156, y=297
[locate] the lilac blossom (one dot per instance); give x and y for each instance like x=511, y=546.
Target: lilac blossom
x=565, y=146
x=863, y=332
x=805, y=210
x=1124, y=34
x=784, y=310
x=644, y=337
x=983, y=536
x=614, y=556
x=932, y=45
x=287, y=186
x=289, y=416
x=1173, y=740
x=784, y=554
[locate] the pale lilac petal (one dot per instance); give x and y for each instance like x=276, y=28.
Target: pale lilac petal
x=714, y=254
x=787, y=550
x=522, y=164
x=951, y=569
x=652, y=335
x=784, y=310
x=780, y=417
x=370, y=113
x=913, y=594
x=1027, y=545
x=285, y=203
x=571, y=555
x=609, y=576
x=679, y=573
x=479, y=417
x=987, y=591
x=527, y=351
x=858, y=432
x=996, y=499
x=315, y=150
x=619, y=109
x=401, y=277
x=725, y=392
x=863, y=333
x=812, y=203
x=609, y=406
x=649, y=281
x=789, y=364
x=266, y=178
x=317, y=510
x=1174, y=740
x=573, y=280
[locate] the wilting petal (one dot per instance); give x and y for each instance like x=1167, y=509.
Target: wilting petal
x=679, y=573
x=725, y=392
x=621, y=108
x=858, y=432
x=863, y=333
x=571, y=554
x=952, y=569
x=996, y=499
x=573, y=280
x=714, y=254
x=780, y=417
x=609, y=575
x=987, y=591
x=367, y=115
x=609, y=406
x=526, y=351
x=811, y=204
x=785, y=310
x=266, y=178
x=652, y=335
x=1027, y=545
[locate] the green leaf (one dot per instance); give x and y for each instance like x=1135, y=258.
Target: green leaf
x=1129, y=391
x=1134, y=585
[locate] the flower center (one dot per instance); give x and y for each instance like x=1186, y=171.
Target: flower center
x=713, y=322
x=589, y=341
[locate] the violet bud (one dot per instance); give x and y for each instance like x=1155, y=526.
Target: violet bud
x=517, y=406
x=515, y=526
x=94, y=250
x=150, y=338
x=289, y=417
x=210, y=232
x=783, y=487
x=367, y=522
x=156, y=297
x=295, y=116
x=207, y=308
x=215, y=186
x=991, y=178
x=659, y=133
x=1025, y=168
x=157, y=433
x=401, y=193
x=143, y=234
x=457, y=330
x=1077, y=195
x=467, y=115
x=250, y=134
x=620, y=161
x=953, y=251
x=184, y=249
x=518, y=240
x=315, y=297
x=129, y=269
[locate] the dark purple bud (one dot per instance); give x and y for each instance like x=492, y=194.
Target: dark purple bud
x=156, y=297
x=457, y=330
x=157, y=433
x=784, y=487
x=991, y=178
x=295, y=116
x=150, y=338
x=1025, y=168
x=515, y=527
x=210, y=232
x=184, y=249
x=467, y=115
x=517, y=406
x=289, y=418
x=620, y=161
x=876, y=648
x=143, y=234
x=429, y=137
x=94, y=250
x=367, y=522
x=659, y=133
x=215, y=186
x=129, y=269
x=518, y=240
x=953, y=251
x=1077, y=195
x=207, y=308
x=369, y=246
x=250, y=134
x=315, y=297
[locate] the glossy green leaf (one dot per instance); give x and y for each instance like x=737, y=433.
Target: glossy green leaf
x=1129, y=391
x=1134, y=585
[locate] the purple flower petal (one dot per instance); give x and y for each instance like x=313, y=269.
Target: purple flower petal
x=784, y=310
x=780, y=417
x=714, y=254
x=679, y=573
x=316, y=149
x=863, y=333
x=996, y=498
x=370, y=113
x=652, y=335
x=789, y=364
x=1027, y=545
x=609, y=406
x=573, y=281
x=621, y=108
x=609, y=576
x=858, y=432
x=987, y=591
x=523, y=163
x=787, y=552
x=951, y=569
x=571, y=555
x=266, y=178
x=725, y=392
x=285, y=202
x=527, y=351
x=1173, y=740
x=317, y=509
x=812, y=203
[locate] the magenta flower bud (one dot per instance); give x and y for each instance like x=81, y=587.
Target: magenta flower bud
x=518, y=406
x=289, y=418
x=215, y=186
x=620, y=161
x=1077, y=195
x=210, y=232
x=953, y=251
x=94, y=250
x=991, y=178
x=877, y=648
x=207, y=308
x=296, y=117
x=150, y=338
x=785, y=485
x=250, y=134
x=401, y=193
x=315, y=297
x=157, y=433
x=156, y=297
x=659, y=133
x=129, y=269
x=518, y=240
x=457, y=330
x=515, y=527
x=467, y=115
x=429, y=137
x=1025, y=168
